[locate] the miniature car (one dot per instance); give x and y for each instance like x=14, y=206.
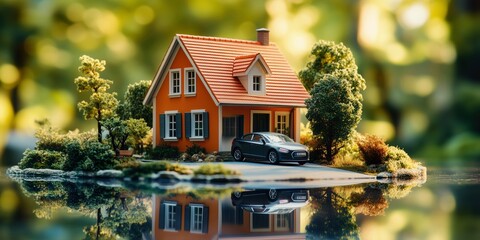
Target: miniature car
x=271, y=201
x=274, y=147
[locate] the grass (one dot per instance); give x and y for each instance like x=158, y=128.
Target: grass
x=214, y=169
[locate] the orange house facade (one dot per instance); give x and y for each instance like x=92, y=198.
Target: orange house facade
x=208, y=91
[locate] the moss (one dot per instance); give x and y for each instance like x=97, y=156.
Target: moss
x=215, y=169
x=398, y=159
x=154, y=167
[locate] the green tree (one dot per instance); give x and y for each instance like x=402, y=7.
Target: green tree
x=335, y=86
x=102, y=104
x=334, y=113
x=133, y=105
x=117, y=132
x=137, y=130
x=327, y=58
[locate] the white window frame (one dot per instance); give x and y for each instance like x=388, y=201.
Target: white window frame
x=194, y=136
x=167, y=219
x=187, y=84
x=283, y=218
x=287, y=122
x=171, y=83
x=169, y=114
x=259, y=84
x=196, y=219
x=252, y=229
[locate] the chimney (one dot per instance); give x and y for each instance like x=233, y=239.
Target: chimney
x=263, y=36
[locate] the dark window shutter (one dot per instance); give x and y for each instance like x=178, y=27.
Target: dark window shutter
x=188, y=211
x=178, y=217
x=178, y=119
x=205, y=220
x=161, y=216
x=239, y=126
x=205, y=125
x=188, y=125
x=162, y=126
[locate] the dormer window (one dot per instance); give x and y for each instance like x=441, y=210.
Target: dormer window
x=252, y=70
x=257, y=83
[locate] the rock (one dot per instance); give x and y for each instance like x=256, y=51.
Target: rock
x=109, y=174
x=383, y=175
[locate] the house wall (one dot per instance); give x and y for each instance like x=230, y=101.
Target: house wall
x=183, y=104
x=184, y=200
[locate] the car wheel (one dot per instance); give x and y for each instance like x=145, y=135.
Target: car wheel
x=238, y=155
x=237, y=194
x=273, y=157
x=301, y=163
x=272, y=194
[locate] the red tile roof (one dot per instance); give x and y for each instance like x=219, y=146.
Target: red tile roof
x=217, y=59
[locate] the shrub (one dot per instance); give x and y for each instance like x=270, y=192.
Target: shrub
x=373, y=149
x=100, y=154
x=164, y=151
x=195, y=149
x=214, y=169
x=42, y=159
x=398, y=159
x=124, y=163
x=74, y=156
x=153, y=167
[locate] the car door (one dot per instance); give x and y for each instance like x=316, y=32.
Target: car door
x=245, y=144
x=257, y=147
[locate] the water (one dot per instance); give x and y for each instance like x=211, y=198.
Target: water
x=445, y=207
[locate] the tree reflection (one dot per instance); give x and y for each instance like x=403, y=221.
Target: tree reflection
x=119, y=213
x=334, y=209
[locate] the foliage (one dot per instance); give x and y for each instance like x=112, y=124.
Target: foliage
x=101, y=104
x=214, y=169
x=398, y=159
x=117, y=132
x=101, y=156
x=137, y=132
x=134, y=102
x=328, y=58
x=334, y=113
x=195, y=149
x=163, y=151
x=373, y=149
x=42, y=159
x=154, y=167
x=124, y=163
x=371, y=202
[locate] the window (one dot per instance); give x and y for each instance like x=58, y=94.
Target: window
x=190, y=86
x=257, y=83
x=231, y=214
x=228, y=126
x=196, y=124
x=259, y=222
x=171, y=125
x=282, y=221
x=170, y=216
x=196, y=218
x=175, y=82
x=282, y=125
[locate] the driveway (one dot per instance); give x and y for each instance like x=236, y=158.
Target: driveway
x=285, y=175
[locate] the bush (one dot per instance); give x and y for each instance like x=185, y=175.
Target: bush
x=42, y=159
x=164, y=151
x=74, y=157
x=100, y=154
x=373, y=149
x=154, y=167
x=398, y=159
x=214, y=169
x=195, y=149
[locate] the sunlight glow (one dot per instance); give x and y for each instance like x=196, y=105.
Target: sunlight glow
x=413, y=16
x=9, y=74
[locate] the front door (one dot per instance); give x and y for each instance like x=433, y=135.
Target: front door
x=261, y=122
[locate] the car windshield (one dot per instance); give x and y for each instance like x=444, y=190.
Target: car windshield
x=278, y=138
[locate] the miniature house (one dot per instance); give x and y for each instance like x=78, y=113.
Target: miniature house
x=209, y=90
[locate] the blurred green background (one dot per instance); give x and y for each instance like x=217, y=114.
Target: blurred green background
x=419, y=58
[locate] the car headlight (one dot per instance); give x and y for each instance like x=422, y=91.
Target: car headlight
x=283, y=150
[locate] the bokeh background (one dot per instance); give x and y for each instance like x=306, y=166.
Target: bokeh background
x=420, y=59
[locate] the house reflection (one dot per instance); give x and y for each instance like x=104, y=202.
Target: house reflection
x=185, y=217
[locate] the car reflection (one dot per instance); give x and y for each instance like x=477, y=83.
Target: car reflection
x=271, y=201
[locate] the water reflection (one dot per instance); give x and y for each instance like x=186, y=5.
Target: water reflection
x=213, y=212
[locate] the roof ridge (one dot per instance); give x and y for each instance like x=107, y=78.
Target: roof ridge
x=247, y=56
x=220, y=39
